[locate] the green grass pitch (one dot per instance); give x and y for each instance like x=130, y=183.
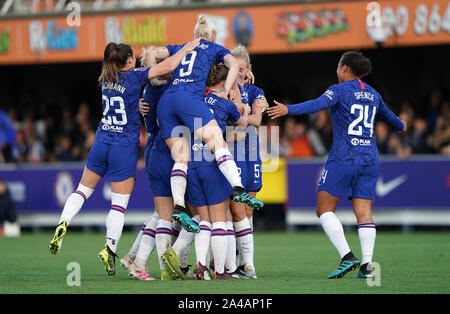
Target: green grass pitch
x=286, y=263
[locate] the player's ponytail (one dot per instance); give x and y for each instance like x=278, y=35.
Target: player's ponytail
x=204, y=28
x=217, y=74
x=358, y=63
x=114, y=58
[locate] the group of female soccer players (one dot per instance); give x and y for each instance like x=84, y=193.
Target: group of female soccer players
x=192, y=93
x=203, y=193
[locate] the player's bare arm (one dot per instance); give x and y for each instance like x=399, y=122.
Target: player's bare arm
x=160, y=52
x=262, y=103
x=233, y=70
x=168, y=65
x=235, y=96
x=149, y=59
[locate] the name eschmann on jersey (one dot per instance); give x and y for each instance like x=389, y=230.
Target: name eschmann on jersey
x=114, y=86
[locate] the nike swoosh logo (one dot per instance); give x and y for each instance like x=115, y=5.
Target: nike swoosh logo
x=382, y=189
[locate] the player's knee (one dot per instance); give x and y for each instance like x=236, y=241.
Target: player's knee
x=363, y=219
x=321, y=211
x=212, y=135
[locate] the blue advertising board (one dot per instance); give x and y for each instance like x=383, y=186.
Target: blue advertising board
x=402, y=183
x=422, y=184
x=44, y=189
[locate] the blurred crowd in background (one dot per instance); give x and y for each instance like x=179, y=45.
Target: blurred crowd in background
x=34, y=133
x=428, y=130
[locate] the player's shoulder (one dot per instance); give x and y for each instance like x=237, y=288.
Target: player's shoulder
x=138, y=73
x=174, y=48
x=336, y=87
x=213, y=46
x=333, y=91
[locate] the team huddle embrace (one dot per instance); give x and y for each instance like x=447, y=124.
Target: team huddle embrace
x=201, y=113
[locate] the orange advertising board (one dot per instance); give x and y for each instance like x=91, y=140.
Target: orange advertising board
x=335, y=25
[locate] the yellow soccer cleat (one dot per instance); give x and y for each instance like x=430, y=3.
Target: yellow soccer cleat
x=165, y=275
x=172, y=261
x=56, y=241
x=108, y=258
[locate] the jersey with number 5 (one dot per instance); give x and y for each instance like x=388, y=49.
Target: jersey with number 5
x=193, y=71
x=354, y=105
x=120, y=122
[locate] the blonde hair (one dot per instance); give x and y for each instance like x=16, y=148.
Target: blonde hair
x=143, y=59
x=241, y=52
x=204, y=28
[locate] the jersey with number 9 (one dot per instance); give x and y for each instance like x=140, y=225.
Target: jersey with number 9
x=120, y=122
x=193, y=71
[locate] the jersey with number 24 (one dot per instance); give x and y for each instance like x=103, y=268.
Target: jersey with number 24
x=353, y=107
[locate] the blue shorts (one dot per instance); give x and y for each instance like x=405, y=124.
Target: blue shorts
x=242, y=168
x=181, y=108
x=159, y=167
x=207, y=186
x=118, y=162
x=350, y=181
x=254, y=176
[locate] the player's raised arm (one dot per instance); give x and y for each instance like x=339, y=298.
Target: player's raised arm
x=327, y=100
x=171, y=62
x=160, y=52
x=149, y=59
x=233, y=70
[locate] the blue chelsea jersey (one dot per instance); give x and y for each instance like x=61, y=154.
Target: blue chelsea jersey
x=249, y=94
x=192, y=73
x=151, y=95
x=224, y=111
x=354, y=105
x=120, y=124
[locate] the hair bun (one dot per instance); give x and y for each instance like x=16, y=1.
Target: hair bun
x=202, y=19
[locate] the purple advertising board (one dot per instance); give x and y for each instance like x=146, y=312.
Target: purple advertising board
x=413, y=184
x=41, y=189
x=402, y=183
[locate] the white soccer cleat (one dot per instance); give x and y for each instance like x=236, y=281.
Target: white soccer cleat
x=126, y=261
x=140, y=273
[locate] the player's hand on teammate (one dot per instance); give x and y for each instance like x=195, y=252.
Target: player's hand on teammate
x=250, y=78
x=144, y=107
x=277, y=111
x=191, y=45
